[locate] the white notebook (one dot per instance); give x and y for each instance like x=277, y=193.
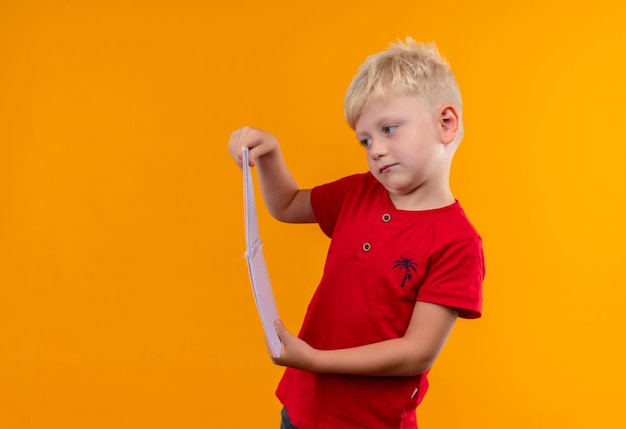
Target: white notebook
x=259, y=277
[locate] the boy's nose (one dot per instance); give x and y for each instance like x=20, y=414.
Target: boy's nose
x=377, y=149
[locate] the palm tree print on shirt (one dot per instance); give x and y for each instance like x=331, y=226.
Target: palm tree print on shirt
x=407, y=265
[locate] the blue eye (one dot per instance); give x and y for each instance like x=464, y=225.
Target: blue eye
x=388, y=129
x=365, y=143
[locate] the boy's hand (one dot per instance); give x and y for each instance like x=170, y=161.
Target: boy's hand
x=294, y=352
x=258, y=141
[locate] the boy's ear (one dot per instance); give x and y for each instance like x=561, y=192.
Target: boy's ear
x=449, y=123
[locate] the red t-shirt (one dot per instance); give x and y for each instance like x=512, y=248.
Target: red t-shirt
x=380, y=262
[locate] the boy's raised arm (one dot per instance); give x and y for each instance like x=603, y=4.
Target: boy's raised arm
x=283, y=198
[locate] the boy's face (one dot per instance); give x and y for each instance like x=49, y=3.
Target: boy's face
x=406, y=150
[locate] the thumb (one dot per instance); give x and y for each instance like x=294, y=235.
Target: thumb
x=281, y=330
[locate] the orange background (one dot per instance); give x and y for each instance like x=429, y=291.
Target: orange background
x=124, y=300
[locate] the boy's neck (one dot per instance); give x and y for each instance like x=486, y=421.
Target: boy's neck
x=417, y=201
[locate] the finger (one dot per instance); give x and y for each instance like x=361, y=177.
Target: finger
x=234, y=147
x=252, y=157
x=281, y=331
x=245, y=137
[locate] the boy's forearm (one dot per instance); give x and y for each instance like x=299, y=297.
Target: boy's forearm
x=412, y=354
x=276, y=182
x=397, y=357
x=279, y=189
x=284, y=200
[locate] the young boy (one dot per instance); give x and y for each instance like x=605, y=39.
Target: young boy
x=404, y=261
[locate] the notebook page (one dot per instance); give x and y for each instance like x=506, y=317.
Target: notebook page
x=257, y=269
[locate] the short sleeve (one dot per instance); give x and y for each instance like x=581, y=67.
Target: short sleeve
x=454, y=278
x=328, y=199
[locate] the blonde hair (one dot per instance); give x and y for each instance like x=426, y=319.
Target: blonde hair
x=407, y=68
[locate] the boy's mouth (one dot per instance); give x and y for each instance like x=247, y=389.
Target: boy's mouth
x=385, y=168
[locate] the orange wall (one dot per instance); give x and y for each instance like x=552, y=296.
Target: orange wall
x=124, y=300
